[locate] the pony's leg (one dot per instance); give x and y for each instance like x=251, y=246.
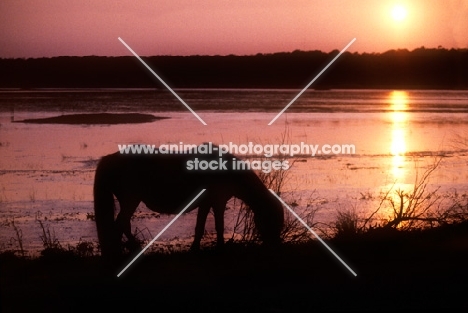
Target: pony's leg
x=122, y=222
x=202, y=214
x=218, y=210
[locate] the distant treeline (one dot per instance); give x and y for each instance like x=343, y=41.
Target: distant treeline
x=420, y=68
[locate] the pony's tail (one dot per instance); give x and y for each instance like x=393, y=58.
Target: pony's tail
x=104, y=212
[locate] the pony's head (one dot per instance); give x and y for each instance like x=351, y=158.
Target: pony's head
x=269, y=219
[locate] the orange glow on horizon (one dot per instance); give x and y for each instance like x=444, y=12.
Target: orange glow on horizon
x=212, y=27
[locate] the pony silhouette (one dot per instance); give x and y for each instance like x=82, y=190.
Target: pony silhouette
x=166, y=184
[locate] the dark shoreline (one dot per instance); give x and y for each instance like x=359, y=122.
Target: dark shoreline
x=421, y=68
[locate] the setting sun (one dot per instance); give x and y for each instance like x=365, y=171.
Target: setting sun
x=399, y=13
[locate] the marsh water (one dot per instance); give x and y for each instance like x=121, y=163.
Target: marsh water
x=47, y=170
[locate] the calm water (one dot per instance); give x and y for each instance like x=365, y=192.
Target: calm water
x=46, y=171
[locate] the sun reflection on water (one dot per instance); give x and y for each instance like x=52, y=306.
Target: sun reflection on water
x=399, y=118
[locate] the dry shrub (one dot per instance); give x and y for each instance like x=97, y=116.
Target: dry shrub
x=347, y=223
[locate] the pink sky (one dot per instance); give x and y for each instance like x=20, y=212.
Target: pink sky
x=33, y=28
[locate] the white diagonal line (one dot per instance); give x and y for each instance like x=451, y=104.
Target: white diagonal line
x=308, y=85
x=162, y=81
x=161, y=232
x=314, y=233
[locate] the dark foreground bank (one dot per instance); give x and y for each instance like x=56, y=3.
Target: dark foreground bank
x=416, y=271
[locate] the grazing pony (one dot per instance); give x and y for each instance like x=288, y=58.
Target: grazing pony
x=166, y=183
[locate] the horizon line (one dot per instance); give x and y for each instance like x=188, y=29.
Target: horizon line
x=240, y=55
